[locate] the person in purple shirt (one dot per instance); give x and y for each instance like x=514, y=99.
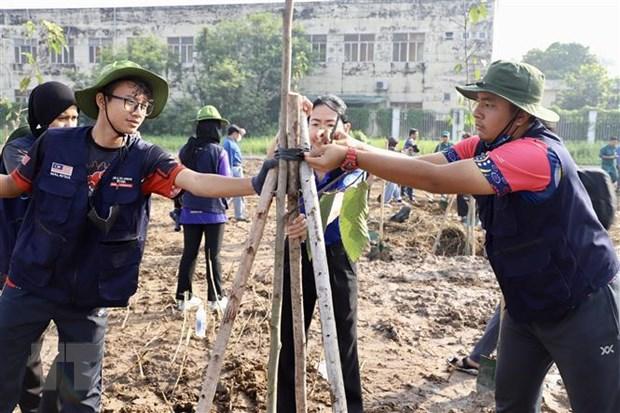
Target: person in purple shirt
x=200, y=215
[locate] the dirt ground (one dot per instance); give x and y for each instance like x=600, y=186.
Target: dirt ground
x=415, y=312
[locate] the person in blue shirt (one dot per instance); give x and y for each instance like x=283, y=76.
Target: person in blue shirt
x=327, y=116
x=200, y=215
x=235, y=159
x=609, y=158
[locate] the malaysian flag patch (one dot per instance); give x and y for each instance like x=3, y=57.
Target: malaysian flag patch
x=61, y=171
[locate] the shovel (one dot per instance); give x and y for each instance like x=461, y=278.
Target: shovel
x=486, y=375
x=486, y=372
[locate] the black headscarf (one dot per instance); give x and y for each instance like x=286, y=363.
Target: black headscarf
x=207, y=132
x=46, y=102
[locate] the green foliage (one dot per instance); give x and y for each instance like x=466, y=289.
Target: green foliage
x=12, y=115
x=45, y=32
x=560, y=59
x=477, y=13
x=359, y=117
x=384, y=120
x=588, y=86
x=354, y=220
x=238, y=69
x=359, y=135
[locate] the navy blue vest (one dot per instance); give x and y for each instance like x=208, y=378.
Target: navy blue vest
x=547, y=257
x=59, y=253
x=207, y=159
x=12, y=210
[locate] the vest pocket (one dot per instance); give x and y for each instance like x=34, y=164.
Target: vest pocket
x=533, y=284
x=54, y=199
x=40, y=250
x=119, y=264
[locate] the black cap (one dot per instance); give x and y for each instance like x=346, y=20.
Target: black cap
x=233, y=128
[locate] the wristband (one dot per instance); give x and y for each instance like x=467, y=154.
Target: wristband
x=350, y=160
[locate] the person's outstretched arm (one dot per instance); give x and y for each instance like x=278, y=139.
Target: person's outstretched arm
x=441, y=177
x=8, y=187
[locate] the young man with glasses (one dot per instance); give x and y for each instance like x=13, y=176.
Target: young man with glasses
x=82, y=240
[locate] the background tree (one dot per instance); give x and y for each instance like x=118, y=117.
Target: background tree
x=237, y=69
x=47, y=37
x=560, y=59
x=588, y=86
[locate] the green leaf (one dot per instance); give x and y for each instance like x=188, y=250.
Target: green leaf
x=24, y=83
x=325, y=205
x=458, y=68
x=354, y=220
x=30, y=28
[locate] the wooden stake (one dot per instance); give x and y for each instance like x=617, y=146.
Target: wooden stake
x=321, y=277
x=216, y=359
x=297, y=308
x=278, y=268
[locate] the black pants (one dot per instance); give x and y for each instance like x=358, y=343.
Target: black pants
x=192, y=236
x=584, y=345
x=461, y=205
x=33, y=377
x=343, y=281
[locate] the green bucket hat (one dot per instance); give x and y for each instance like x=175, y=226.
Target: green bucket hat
x=519, y=83
x=122, y=69
x=210, y=112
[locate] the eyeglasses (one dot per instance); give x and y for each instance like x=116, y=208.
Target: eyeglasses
x=131, y=105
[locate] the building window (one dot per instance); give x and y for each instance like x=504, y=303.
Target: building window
x=449, y=35
x=359, y=47
x=446, y=97
x=96, y=46
x=408, y=47
x=318, y=43
x=182, y=47
x=24, y=48
x=66, y=55
x=21, y=96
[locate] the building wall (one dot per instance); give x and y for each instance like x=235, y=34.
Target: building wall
x=425, y=82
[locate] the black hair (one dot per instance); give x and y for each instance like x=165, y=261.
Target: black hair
x=232, y=129
x=141, y=86
x=208, y=130
x=334, y=103
x=412, y=131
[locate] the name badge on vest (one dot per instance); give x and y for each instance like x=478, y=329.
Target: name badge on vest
x=61, y=171
x=121, y=182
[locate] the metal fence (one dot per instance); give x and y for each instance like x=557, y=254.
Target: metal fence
x=573, y=126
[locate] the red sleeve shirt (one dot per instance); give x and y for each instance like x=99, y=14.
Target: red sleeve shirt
x=161, y=169
x=525, y=164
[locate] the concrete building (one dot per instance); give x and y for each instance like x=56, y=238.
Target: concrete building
x=401, y=54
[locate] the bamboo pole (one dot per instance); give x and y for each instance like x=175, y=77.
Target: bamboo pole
x=216, y=359
x=297, y=307
x=471, y=224
x=321, y=277
x=276, y=303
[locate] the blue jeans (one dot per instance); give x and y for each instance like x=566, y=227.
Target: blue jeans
x=487, y=343
x=238, y=202
x=392, y=191
x=81, y=335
